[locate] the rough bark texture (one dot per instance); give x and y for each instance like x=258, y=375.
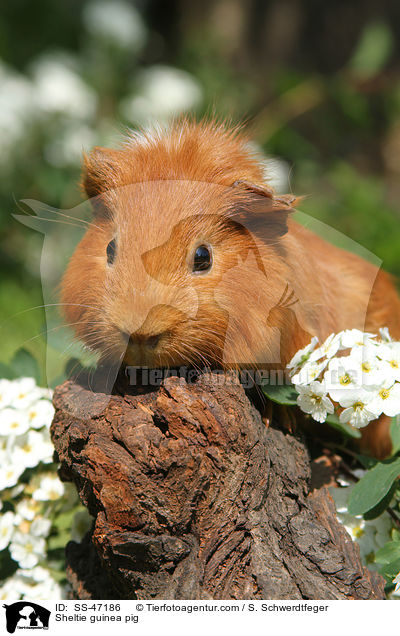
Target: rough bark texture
x=195, y=498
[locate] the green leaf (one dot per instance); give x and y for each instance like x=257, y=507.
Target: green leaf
x=374, y=486
x=366, y=461
x=6, y=372
x=7, y=565
x=390, y=570
x=282, y=394
x=377, y=510
x=59, y=540
x=63, y=520
x=343, y=427
x=24, y=365
x=395, y=434
x=389, y=553
x=373, y=50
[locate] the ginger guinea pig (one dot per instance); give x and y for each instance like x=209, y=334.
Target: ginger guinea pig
x=192, y=259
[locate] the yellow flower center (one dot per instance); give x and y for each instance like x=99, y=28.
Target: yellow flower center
x=358, y=406
x=345, y=379
x=27, y=448
x=358, y=532
x=29, y=547
x=366, y=367
x=32, y=415
x=24, y=526
x=14, y=425
x=370, y=558
x=394, y=364
x=384, y=393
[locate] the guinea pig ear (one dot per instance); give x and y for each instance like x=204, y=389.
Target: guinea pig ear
x=264, y=212
x=100, y=173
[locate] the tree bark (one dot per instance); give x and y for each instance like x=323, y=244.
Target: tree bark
x=195, y=498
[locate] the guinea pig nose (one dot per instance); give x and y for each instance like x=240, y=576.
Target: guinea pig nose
x=152, y=341
x=144, y=340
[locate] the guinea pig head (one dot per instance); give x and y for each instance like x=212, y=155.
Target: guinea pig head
x=175, y=271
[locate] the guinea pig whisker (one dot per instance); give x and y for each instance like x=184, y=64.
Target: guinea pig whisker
x=45, y=306
x=41, y=218
x=47, y=331
x=73, y=218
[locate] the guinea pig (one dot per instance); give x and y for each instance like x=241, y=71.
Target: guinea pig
x=193, y=259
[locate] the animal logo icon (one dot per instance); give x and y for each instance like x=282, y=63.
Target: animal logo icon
x=26, y=615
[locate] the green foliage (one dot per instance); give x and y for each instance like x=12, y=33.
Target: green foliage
x=23, y=364
x=281, y=394
x=342, y=427
x=374, y=486
x=373, y=50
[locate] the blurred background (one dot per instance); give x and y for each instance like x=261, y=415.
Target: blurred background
x=318, y=84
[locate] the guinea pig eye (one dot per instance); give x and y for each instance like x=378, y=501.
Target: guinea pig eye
x=111, y=250
x=202, y=259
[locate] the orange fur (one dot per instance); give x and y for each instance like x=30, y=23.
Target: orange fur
x=159, y=197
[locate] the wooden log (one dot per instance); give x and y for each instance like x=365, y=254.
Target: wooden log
x=195, y=498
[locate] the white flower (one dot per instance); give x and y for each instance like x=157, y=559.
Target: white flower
x=13, y=589
x=7, y=391
x=49, y=590
x=389, y=353
x=365, y=363
x=341, y=377
x=46, y=393
x=396, y=581
x=33, y=584
x=13, y=422
x=386, y=400
x=313, y=399
x=351, y=337
x=27, y=550
x=301, y=356
x=50, y=489
x=67, y=147
x=40, y=414
x=31, y=449
x=6, y=528
x=25, y=393
x=118, y=22
x=162, y=93
x=358, y=411
x=59, y=88
x=385, y=335
x=328, y=349
x=9, y=475
x=17, y=110
x=81, y=524
x=40, y=527
x=309, y=372
x=27, y=508
x=38, y=574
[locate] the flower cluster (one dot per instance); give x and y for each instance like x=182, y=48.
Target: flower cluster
x=31, y=494
x=358, y=371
